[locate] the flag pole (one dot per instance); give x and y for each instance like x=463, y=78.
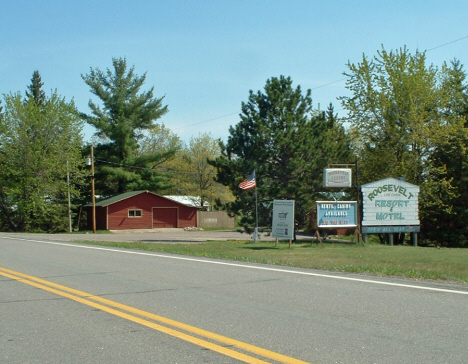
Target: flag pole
x=248, y=184
x=256, y=212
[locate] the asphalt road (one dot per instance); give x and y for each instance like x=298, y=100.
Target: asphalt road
x=68, y=309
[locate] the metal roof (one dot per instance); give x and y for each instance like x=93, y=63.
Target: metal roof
x=192, y=201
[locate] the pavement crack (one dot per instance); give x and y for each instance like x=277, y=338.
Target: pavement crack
x=35, y=300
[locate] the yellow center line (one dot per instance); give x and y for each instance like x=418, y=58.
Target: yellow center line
x=85, y=298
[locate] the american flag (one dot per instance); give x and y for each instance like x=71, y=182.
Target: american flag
x=249, y=182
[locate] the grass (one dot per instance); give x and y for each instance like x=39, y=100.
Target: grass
x=444, y=264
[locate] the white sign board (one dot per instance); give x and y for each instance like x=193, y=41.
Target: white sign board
x=337, y=177
x=283, y=219
x=390, y=202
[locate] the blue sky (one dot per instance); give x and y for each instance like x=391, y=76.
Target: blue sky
x=205, y=56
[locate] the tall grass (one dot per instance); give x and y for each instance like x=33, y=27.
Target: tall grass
x=400, y=261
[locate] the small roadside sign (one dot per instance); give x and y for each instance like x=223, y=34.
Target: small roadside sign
x=283, y=219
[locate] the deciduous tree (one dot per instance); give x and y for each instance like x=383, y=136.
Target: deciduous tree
x=36, y=142
x=392, y=111
x=194, y=176
x=159, y=141
x=408, y=119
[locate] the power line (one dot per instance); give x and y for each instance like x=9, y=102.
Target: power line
x=317, y=87
x=443, y=45
x=327, y=84
x=205, y=121
x=427, y=50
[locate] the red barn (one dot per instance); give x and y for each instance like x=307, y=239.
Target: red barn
x=141, y=210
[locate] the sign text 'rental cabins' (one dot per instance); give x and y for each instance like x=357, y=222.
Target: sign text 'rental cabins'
x=336, y=214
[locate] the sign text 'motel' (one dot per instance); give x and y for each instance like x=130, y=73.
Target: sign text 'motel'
x=390, y=202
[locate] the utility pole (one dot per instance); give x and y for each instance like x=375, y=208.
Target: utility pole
x=93, y=199
x=69, y=202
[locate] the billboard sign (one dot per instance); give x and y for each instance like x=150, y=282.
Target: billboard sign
x=336, y=214
x=283, y=219
x=390, y=202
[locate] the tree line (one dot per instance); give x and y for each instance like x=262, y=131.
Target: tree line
x=43, y=154
x=405, y=118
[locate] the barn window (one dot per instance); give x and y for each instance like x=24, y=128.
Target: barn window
x=134, y=213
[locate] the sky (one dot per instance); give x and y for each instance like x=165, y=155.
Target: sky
x=204, y=57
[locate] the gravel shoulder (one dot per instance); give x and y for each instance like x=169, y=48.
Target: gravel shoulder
x=146, y=235
x=155, y=236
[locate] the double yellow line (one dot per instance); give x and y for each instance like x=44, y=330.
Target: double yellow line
x=174, y=328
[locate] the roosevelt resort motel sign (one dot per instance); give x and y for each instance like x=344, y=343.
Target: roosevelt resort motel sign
x=390, y=205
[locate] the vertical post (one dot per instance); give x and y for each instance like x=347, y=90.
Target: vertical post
x=358, y=214
x=256, y=212
x=69, y=202
x=92, y=191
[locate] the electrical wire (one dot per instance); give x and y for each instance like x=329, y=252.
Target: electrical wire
x=201, y=122
x=223, y=116
x=314, y=88
x=443, y=45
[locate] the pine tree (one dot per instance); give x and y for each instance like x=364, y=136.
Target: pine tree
x=120, y=122
x=35, y=89
x=286, y=142
x=446, y=192
x=455, y=90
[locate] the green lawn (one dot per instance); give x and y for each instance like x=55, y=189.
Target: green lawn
x=401, y=261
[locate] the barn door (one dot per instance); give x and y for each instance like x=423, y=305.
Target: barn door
x=165, y=217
